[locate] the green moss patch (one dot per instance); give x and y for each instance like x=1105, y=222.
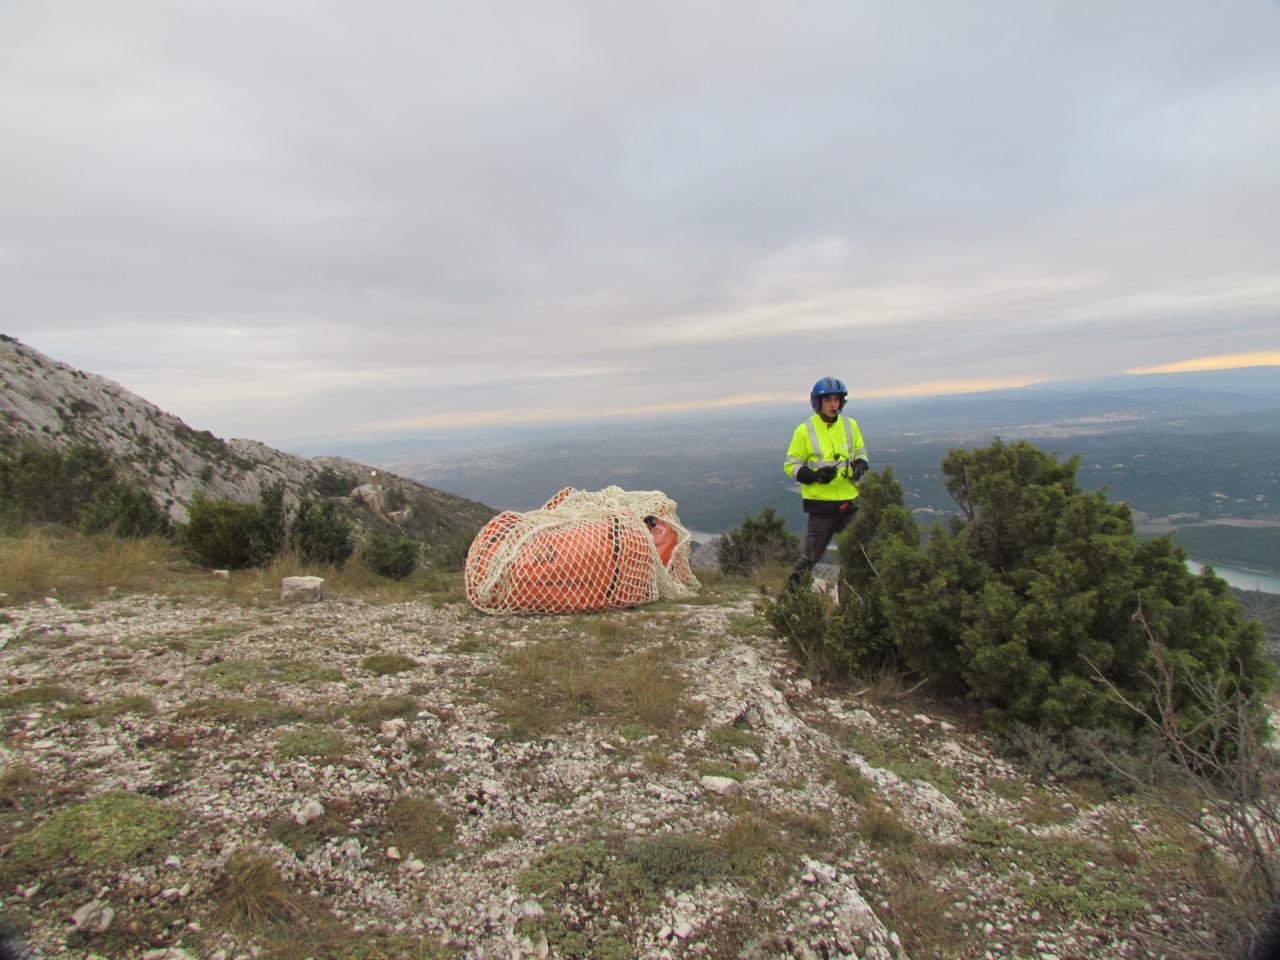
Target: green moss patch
x=110, y=830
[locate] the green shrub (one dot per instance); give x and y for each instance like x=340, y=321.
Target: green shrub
x=329, y=483
x=272, y=522
x=388, y=664
x=758, y=540
x=220, y=533
x=320, y=535
x=390, y=556
x=223, y=533
x=80, y=487
x=1037, y=599
x=454, y=555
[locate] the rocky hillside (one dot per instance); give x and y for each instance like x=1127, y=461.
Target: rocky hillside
x=49, y=403
x=231, y=780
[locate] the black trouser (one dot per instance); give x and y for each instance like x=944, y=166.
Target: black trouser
x=818, y=535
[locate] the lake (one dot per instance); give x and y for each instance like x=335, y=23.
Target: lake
x=1240, y=578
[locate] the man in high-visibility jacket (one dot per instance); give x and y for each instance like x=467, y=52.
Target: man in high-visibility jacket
x=828, y=457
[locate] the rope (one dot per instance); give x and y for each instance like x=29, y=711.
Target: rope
x=581, y=551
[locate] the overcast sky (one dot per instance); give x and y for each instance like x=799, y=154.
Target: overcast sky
x=289, y=220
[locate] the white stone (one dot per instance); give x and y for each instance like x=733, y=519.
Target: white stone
x=746, y=758
x=306, y=589
x=393, y=853
x=804, y=686
x=307, y=812
x=724, y=786
x=351, y=851
x=94, y=917
x=684, y=929
x=222, y=574
x=821, y=871
x=391, y=729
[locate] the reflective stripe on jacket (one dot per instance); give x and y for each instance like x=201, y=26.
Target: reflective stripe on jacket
x=819, y=444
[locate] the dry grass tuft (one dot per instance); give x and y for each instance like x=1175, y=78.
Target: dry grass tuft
x=253, y=897
x=377, y=709
x=388, y=664
x=419, y=825
x=558, y=681
x=49, y=559
x=882, y=827
x=41, y=560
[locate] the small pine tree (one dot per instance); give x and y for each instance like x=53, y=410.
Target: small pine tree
x=223, y=534
x=330, y=483
x=389, y=555
x=320, y=535
x=79, y=487
x=125, y=511
x=758, y=540
x=272, y=523
x=1035, y=600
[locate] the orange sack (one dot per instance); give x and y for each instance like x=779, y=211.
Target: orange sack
x=580, y=552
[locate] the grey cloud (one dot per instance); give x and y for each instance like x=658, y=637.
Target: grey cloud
x=219, y=201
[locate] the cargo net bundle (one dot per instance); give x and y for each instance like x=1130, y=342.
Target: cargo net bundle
x=580, y=552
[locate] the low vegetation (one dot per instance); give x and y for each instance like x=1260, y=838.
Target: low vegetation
x=619, y=679
x=756, y=542
x=109, y=830
x=51, y=498
x=390, y=556
x=79, y=487
x=1035, y=601
x=457, y=760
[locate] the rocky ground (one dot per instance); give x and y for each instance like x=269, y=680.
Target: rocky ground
x=204, y=778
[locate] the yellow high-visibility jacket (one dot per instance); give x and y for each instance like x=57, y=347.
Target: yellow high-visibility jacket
x=816, y=444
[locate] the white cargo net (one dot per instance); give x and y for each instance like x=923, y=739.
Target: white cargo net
x=582, y=551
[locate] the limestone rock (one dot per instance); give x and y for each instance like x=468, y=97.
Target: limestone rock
x=307, y=812
x=305, y=589
x=94, y=917
x=724, y=786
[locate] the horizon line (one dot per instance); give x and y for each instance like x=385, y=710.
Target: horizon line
x=933, y=388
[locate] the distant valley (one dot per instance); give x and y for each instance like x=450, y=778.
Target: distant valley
x=1184, y=451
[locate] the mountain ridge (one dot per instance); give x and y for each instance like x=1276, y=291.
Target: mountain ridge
x=48, y=403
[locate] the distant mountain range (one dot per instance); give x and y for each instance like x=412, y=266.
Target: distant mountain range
x=50, y=404
x=1194, y=403
x=1195, y=447
x=1198, y=447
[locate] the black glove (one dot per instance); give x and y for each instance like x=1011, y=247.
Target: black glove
x=859, y=468
x=806, y=474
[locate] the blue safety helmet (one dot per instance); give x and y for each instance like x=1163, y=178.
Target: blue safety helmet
x=826, y=387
